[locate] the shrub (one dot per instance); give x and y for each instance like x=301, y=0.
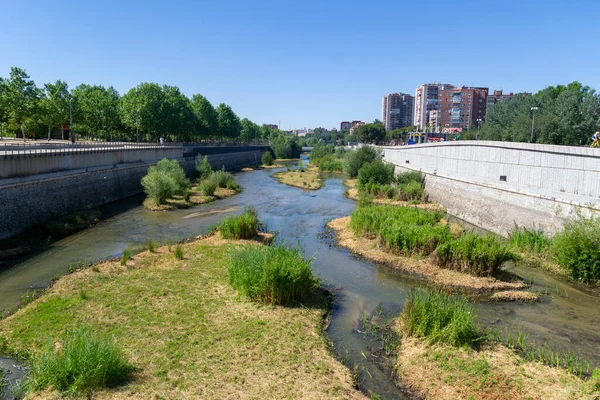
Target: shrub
x=158, y=186
x=286, y=147
x=179, y=252
x=378, y=190
x=203, y=167
x=376, y=172
x=172, y=169
x=267, y=158
x=126, y=256
x=242, y=226
x=85, y=362
x=365, y=200
x=577, y=248
x=271, y=274
x=301, y=167
x=319, y=151
x=477, y=255
x=439, y=317
x=329, y=163
x=354, y=160
x=532, y=240
x=151, y=246
x=405, y=178
x=208, y=187
x=404, y=229
x=222, y=178
x=186, y=195
x=411, y=191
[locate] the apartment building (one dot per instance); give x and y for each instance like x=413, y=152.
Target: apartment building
x=345, y=126
x=461, y=107
x=397, y=110
x=426, y=104
x=356, y=124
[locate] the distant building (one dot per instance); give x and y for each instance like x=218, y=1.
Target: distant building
x=426, y=103
x=498, y=97
x=461, y=107
x=345, y=126
x=397, y=111
x=356, y=124
x=273, y=126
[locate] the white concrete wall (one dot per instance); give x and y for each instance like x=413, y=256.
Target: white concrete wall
x=551, y=182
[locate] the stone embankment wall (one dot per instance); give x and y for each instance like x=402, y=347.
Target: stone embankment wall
x=26, y=201
x=498, y=185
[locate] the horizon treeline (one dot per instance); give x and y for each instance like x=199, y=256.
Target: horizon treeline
x=101, y=113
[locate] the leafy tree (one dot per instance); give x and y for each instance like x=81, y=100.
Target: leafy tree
x=229, y=123
x=3, y=105
x=178, y=116
x=207, y=124
x=250, y=130
x=55, y=105
x=21, y=98
x=96, y=109
x=371, y=132
x=142, y=108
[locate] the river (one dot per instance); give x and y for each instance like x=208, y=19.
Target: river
x=566, y=318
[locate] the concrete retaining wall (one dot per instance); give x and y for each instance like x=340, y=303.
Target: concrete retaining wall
x=496, y=185
x=27, y=201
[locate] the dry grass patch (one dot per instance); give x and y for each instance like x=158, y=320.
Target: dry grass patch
x=494, y=372
x=190, y=334
x=514, y=295
x=371, y=249
x=309, y=179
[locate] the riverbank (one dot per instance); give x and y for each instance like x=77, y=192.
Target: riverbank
x=196, y=198
x=444, y=372
x=353, y=193
x=370, y=249
x=309, y=179
x=189, y=334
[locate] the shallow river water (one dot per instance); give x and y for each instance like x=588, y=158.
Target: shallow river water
x=566, y=319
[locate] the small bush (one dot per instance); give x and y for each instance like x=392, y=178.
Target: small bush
x=405, y=178
x=378, y=190
x=222, y=178
x=329, y=163
x=477, y=255
x=126, y=256
x=530, y=240
x=151, y=247
x=179, y=252
x=158, y=186
x=172, y=169
x=354, y=160
x=267, y=158
x=376, y=172
x=242, y=226
x=203, y=168
x=271, y=274
x=411, y=191
x=186, y=195
x=439, y=317
x=85, y=362
x=208, y=187
x=577, y=248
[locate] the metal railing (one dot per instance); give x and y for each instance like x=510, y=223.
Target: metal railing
x=16, y=149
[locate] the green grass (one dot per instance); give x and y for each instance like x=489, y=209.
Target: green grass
x=476, y=255
x=411, y=191
x=179, y=252
x=329, y=163
x=439, y=317
x=84, y=362
x=402, y=229
x=529, y=240
x=126, y=256
x=151, y=246
x=271, y=274
x=405, y=178
x=577, y=248
x=241, y=226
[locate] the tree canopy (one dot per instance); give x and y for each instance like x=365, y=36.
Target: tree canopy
x=371, y=132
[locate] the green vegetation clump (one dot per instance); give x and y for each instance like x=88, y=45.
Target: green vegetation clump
x=126, y=256
x=411, y=191
x=222, y=178
x=376, y=172
x=267, y=158
x=402, y=229
x=330, y=163
x=86, y=361
x=354, y=160
x=379, y=190
x=208, y=187
x=577, y=248
x=203, y=168
x=271, y=274
x=439, y=318
x=242, y=226
x=405, y=178
x=179, y=252
x=529, y=240
x=151, y=246
x=328, y=158
x=164, y=180
x=477, y=255
x=286, y=147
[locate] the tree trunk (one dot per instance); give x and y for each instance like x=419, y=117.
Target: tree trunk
x=49, y=129
x=23, y=131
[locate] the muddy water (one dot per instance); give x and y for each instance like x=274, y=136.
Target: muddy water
x=566, y=318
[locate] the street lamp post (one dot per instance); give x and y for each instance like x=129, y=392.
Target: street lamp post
x=533, y=110
x=478, y=127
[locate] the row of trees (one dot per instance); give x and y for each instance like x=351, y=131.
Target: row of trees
x=566, y=115
x=149, y=109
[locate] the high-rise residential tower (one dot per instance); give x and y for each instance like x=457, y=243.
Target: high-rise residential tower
x=461, y=107
x=397, y=111
x=427, y=104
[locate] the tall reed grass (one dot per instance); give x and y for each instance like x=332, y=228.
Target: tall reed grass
x=271, y=274
x=86, y=361
x=577, y=248
x=529, y=240
x=241, y=226
x=439, y=317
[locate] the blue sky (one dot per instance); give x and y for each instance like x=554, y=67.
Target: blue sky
x=304, y=63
